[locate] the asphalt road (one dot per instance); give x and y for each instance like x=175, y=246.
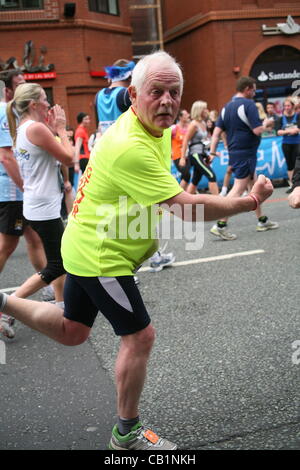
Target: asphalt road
x=224, y=373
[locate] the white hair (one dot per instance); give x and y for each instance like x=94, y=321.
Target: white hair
x=139, y=72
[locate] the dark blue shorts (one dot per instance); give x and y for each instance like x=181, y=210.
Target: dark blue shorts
x=243, y=167
x=117, y=298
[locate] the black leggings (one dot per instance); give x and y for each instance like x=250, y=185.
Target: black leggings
x=50, y=232
x=83, y=163
x=291, y=152
x=201, y=168
x=184, y=170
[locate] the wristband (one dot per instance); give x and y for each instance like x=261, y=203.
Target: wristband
x=255, y=199
x=213, y=153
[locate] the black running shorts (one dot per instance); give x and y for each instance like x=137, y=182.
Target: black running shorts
x=12, y=221
x=117, y=298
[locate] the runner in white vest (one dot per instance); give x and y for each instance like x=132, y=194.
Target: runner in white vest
x=38, y=154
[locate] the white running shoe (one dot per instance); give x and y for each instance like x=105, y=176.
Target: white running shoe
x=6, y=323
x=140, y=438
x=222, y=233
x=268, y=225
x=48, y=293
x=160, y=260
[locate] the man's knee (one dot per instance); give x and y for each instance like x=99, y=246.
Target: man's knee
x=75, y=333
x=148, y=336
x=142, y=341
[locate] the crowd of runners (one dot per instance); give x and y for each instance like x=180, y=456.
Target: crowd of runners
x=86, y=259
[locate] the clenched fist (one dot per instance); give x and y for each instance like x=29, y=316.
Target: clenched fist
x=294, y=198
x=262, y=189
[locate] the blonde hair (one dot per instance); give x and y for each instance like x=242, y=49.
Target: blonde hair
x=261, y=111
x=197, y=109
x=19, y=105
x=291, y=99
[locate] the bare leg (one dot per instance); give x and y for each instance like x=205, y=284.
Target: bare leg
x=227, y=176
x=213, y=187
x=58, y=286
x=35, y=249
x=184, y=184
x=290, y=176
x=191, y=189
x=239, y=186
x=8, y=244
x=130, y=370
x=48, y=319
x=30, y=286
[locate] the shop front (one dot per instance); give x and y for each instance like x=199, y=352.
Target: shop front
x=277, y=72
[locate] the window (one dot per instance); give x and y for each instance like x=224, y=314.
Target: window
x=49, y=94
x=104, y=6
x=21, y=4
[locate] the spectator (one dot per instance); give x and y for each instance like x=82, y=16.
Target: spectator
x=289, y=129
x=82, y=153
x=114, y=100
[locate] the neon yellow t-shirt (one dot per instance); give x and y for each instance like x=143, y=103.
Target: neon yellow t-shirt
x=111, y=230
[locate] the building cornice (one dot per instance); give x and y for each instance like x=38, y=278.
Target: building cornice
x=226, y=15
x=74, y=24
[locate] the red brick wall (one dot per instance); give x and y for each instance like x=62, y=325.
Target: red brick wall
x=50, y=12
x=102, y=38
x=210, y=45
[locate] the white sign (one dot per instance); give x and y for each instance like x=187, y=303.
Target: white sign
x=263, y=76
x=289, y=28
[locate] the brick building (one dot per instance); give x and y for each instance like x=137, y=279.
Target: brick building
x=217, y=41
x=64, y=46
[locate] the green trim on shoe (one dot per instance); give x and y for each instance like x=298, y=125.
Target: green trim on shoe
x=126, y=437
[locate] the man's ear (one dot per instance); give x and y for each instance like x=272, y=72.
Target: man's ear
x=132, y=93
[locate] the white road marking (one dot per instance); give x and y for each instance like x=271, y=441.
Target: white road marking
x=9, y=289
x=211, y=258
x=185, y=263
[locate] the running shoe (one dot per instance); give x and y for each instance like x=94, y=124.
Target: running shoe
x=48, y=293
x=222, y=233
x=140, y=438
x=160, y=260
x=6, y=323
x=268, y=225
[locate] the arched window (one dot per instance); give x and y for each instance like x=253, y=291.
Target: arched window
x=277, y=71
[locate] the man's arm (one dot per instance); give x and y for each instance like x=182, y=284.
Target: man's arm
x=184, y=205
x=11, y=166
x=215, y=140
x=266, y=126
x=78, y=144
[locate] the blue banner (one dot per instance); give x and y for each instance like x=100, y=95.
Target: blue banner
x=270, y=162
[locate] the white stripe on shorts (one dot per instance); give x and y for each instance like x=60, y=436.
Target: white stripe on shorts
x=114, y=289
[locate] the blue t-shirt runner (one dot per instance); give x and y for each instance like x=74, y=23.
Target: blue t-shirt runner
x=110, y=104
x=8, y=189
x=237, y=119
